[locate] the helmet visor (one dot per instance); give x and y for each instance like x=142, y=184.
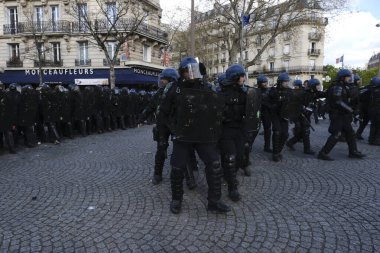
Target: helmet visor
x=194, y=72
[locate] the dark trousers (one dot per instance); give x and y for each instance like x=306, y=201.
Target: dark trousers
x=267, y=125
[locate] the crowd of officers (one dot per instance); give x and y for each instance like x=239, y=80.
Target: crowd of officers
x=46, y=114
x=220, y=122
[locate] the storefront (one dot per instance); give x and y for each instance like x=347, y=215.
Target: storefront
x=125, y=76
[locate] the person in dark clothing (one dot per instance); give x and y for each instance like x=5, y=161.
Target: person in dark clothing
x=280, y=113
x=343, y=103
x=374, y=112
x=193, y=112
x=265, y=111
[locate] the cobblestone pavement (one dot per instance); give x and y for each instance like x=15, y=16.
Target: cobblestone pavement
x=94, y=194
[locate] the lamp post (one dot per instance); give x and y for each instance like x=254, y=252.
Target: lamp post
x=378, y=60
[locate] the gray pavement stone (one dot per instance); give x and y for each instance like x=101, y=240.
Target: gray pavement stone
x=94, y=194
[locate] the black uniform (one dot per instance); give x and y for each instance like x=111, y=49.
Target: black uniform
x=251, y=122
x=265, y=113
x=364, y=111
x=27, y=114
x=8, y=117
x=193, y=113
x=300, y=116
x=343, y=101
x=280, y=98
x=233, y=135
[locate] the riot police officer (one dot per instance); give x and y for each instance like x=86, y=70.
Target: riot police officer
x=342, y=100
x=193, y=113
x=233, y=136
x=374, y=112
x=280, y=113
x=8, y=116
x=27, y=114
x=300, y=115
x=265, y=111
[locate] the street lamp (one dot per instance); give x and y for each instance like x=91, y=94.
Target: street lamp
x=378, y=60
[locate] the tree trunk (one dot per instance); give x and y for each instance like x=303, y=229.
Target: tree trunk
x=112, y=75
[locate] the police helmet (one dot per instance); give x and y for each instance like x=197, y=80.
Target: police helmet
x=342, y=73
x=186, y=61
x=27, y=87
x=375, y=81
x=169, y=73
x=261, y=79
x=234, y=72
x=283, y=77
x=298, y=83
x=314, y=82
x=221, y=78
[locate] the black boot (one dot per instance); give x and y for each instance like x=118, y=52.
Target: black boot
x=229, y=169
x=70, y=133
x=213, y=177
x=306, y=144
x=9, y=140
x=176, y=181
x=267, y=137
x=276, y=147
x=30, y=137
x=189, y=177
x=352, y=147
x=330, y=144
x=157, y=179
x=122, y=123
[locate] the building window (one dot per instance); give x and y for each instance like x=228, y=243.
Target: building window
x=39, y=18
x=54, y=17
x=286, y=65
x=271, y=51
x=83, y=52
x=41, y=51
x=14, y=52
x=146, y=18
x=312, y=65
x=313, y=46
x=246, y=55
x=13, y=19
x=82, y=16
x=111, y=49
x=271, y=66
x=147, y=53
x=111, y=13
x=286, y=48
x=56, y=54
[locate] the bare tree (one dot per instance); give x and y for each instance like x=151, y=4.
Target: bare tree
x=114, y=20
x=268, y=19
x=36, y=28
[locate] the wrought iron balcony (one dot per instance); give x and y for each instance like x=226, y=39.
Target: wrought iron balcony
x=122, y=25
x=60, y=26
x=14, y=63
x=315, y=36
x=296, y=69
x=314, y=52
x=82, y=62
x=106, y=63
x=48, y=63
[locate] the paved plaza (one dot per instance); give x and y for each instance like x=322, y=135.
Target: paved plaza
x=94, y=194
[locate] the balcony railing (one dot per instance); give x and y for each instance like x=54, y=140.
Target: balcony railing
x=106, y=63
x=82, y=62
x=314, y=52
x=296, y=69
x=62, y=26
x=14, y=63
x=48, y=63
x=100, y=26
x=315, y=36
x=122, y=25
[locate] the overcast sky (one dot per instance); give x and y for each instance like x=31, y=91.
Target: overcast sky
x=353, y=34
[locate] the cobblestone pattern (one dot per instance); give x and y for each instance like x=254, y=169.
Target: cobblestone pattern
x=94, y=194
